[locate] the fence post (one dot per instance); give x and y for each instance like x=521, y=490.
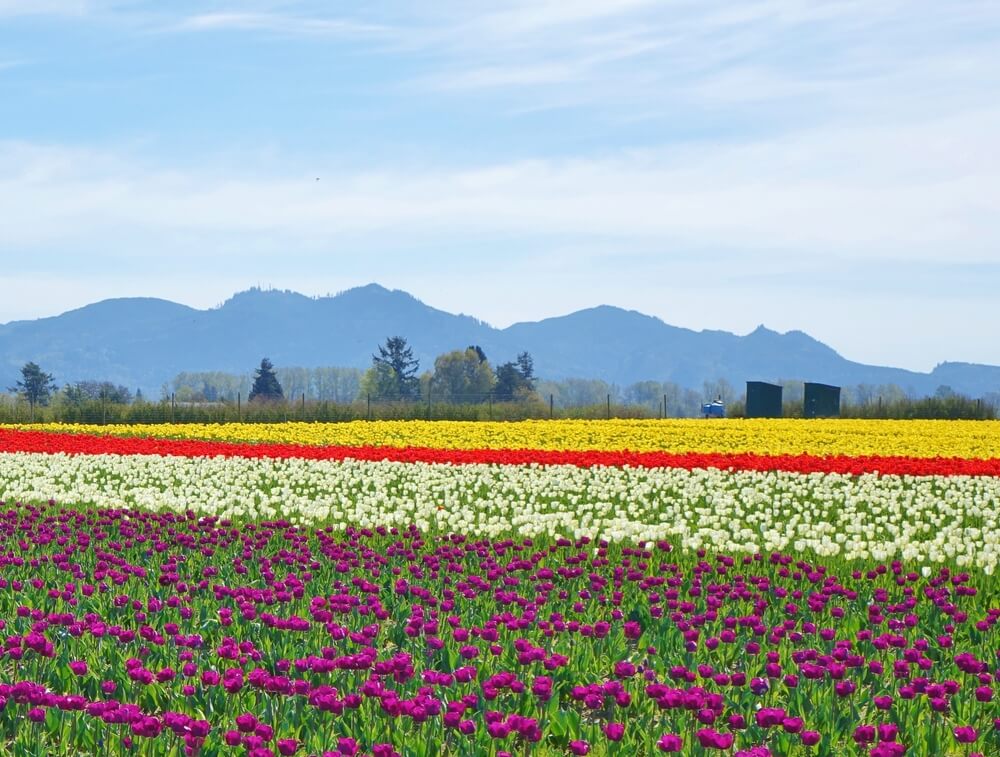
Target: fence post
x=303, y=405
x=550, y=406
x=664, y=407
x=609, y=407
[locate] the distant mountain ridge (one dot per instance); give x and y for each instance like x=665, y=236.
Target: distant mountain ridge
x=145, y=342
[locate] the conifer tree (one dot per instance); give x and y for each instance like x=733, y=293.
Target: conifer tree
x=35, y=385
x=396, y=369
x=265, y=383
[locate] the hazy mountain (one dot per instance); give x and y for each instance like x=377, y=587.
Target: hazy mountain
x=144, y=342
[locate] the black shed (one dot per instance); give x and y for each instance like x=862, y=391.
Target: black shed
x=763, y=400
x=822, y=401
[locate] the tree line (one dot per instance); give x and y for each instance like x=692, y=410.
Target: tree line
x=38, y=388
x=463, y=377
x=459, y=376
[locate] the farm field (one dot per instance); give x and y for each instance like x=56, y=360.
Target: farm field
x=919, y=438
x=551, y=587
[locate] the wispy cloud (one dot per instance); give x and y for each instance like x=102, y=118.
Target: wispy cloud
x=891, y=193
x=503, y=76
x=663, y=56
x=651, y=56
x=11, y=8
x=277, y=23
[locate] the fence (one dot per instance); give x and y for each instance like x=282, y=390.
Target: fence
x=469, y=407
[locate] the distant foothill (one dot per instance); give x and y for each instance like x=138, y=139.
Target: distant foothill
x=611, y=360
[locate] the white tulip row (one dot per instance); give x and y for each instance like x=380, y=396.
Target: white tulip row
x=926, y=519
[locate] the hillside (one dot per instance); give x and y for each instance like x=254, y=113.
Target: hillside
x=144, y=342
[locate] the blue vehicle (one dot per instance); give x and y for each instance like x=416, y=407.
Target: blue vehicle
x=716, y=409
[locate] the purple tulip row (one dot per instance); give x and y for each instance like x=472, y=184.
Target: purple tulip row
x=272, y=639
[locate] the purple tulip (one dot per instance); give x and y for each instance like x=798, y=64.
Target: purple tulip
x=670, y=742
x=614, y=731
x=864, y=734
x=965, y=734
x=713, y=739
x=888, y=749
x=792, y=725
x=888, y=732
x=769, y=716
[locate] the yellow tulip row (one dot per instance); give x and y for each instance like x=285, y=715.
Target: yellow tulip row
x=965, y=439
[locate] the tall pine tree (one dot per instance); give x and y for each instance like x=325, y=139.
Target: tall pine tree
x=515, y=380
x=526, y=367
x=35, y=385
x=265, y=383
x=396, y=369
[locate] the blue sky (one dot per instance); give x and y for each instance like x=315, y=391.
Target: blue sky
x=826, y=166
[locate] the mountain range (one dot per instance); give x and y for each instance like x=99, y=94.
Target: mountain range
x=144, y=342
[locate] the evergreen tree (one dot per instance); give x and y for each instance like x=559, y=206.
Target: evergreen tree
x=508, y=381
x=515, y=380
x=35, y=385
x=526, y=367
x=396, y=369
x=265, y=383
x=510, y=384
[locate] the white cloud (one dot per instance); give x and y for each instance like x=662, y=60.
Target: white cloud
x=627, y=57
x=278, y=24
x=519, y=18
x=502, y=76
x=917, y=192
x=11, y=8
x=670, y=59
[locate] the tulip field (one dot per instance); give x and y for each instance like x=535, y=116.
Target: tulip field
x=748, y=588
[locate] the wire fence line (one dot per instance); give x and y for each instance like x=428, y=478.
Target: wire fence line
x=468, y=407
x=479, y=406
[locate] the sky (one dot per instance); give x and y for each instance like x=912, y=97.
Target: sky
x=832, y=167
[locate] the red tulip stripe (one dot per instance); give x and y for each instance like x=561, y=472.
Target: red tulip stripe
x=82, y=444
